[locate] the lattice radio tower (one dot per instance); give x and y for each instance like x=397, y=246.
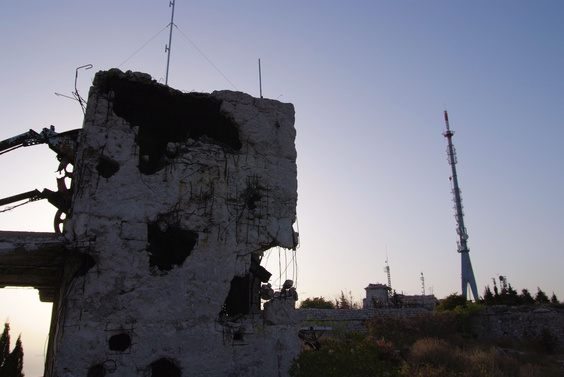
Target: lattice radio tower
x=467, y=274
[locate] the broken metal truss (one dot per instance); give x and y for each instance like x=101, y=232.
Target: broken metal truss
x=65, y=145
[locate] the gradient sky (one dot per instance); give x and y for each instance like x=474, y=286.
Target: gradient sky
x=369, y=81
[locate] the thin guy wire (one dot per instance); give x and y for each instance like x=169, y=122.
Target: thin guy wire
x=140, y=48
x=204, y=55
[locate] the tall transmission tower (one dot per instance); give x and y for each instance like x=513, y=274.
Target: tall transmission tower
x=467, y=274
x=422, y=284
x=387, y=270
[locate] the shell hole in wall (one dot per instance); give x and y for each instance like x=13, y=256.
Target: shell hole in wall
x=171, y=247
x=106, y=167
x=164, y=115
x=96, y=371
x=164, y=368
x=244, y=294
x=239, y=335
x=86, y=263
x=119, y=342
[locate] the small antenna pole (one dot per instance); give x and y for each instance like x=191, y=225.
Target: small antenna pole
x=167, y=48
x=260, y=80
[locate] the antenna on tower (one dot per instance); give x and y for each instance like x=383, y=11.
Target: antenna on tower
x=422, y=284
x=167, y=47
x=466, y=266
x=387, y=269
x=260, y=80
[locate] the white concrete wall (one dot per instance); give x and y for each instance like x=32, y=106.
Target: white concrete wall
x=204, y=188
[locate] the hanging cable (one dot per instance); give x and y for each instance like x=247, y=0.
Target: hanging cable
x=279, y=266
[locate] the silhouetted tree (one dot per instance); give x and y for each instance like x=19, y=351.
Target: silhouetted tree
x=541, y=297
x=488, y=296
x=554, y=299
x=396, y=300
x=344, y=302
x=5, y=344
x=526, y=297
x=11, y=363
x=509, y=296
x=317, y=303
x=496, y=293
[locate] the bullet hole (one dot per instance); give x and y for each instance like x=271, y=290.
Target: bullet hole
x=251, y=201
x=119, y=342
x=169, y=248
x=96, y=371
x=238, y=335
x=252, y=195
x=106, y=167
x=166, y=115
x=165, y=368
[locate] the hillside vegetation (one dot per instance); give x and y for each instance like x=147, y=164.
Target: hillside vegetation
x=430, y=344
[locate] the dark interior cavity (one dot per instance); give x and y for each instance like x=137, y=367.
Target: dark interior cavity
x=171, y=247
x=165, y=115
x=96, y=371
x=244, y=293
x=106, y=167
x=164, y=368
x=119, y=342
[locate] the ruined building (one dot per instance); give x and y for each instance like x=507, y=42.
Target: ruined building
x=157, y=271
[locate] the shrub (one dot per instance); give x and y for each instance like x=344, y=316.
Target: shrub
x=316, y=303
x=344, y=302
x=357, y=355
x=403, y=332
x=440, y=357
x=437, y=353
x=451, y=302
x=465, y=315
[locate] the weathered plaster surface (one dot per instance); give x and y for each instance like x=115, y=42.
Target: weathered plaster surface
x=172, y=215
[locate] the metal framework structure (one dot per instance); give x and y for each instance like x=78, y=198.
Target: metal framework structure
x=387, y=271
x=168, y=47
x=467, y=273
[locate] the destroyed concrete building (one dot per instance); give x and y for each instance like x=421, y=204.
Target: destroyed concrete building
x=157, y=272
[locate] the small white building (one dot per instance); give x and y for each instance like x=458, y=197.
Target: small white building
x=377, y=296
x=380, y=296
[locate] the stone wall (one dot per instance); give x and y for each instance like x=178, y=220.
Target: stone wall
x=350, y=319
x=494, y=323
x=518, y=323
x=177, y=195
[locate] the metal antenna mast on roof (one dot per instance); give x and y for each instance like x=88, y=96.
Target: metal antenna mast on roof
x=260, y=81
x=422, y=283
x=167, y=48
x=466, y=266
x=387, y=270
